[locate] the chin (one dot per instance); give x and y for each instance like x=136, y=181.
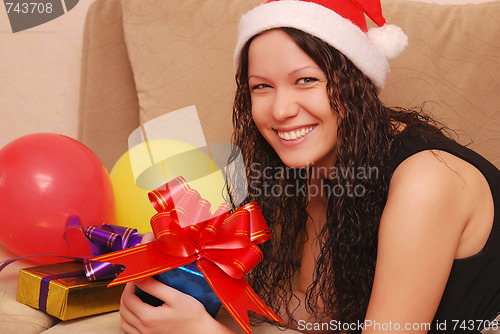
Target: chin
x=296, y=163
x=295, y=166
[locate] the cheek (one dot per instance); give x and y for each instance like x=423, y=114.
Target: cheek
x=259, y=115
x=331, y=135
x=256, y=117
x=320, y=101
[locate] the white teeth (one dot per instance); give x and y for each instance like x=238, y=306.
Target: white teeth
x=294, y=135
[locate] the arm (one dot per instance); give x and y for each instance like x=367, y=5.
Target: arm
x=428, y=207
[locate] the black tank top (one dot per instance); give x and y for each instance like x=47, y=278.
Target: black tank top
x=471, y=298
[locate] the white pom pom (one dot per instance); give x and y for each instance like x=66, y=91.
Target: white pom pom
x=389, y=39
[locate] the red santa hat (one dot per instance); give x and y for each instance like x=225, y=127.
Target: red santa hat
x=340, y=23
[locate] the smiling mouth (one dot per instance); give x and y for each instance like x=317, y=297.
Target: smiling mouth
x=295, y=134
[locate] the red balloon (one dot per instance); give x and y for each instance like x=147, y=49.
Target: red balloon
x=44, y=179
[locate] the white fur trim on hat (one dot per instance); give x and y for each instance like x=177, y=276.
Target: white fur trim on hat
x=321, y=22
x=389, y=39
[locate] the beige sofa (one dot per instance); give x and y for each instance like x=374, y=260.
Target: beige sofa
x=142, y=59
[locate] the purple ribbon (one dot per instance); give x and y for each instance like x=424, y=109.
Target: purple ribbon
x=86, y=244
x=96, y=241
x=7, y=262
x=92, y=242
x=44, y=287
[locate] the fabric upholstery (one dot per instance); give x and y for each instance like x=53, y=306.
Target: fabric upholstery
x=452, y=62
x=16, y=317
x=109, y=110
x=181, y=54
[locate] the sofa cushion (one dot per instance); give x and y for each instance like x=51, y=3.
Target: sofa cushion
x=181, y=54
x=16, y=317
x=109, y=109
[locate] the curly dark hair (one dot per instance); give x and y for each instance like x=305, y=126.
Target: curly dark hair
x=344, y=272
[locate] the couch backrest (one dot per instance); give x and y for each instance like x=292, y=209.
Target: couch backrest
x=180, y=54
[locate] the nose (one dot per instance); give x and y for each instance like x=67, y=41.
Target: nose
x=284, y=105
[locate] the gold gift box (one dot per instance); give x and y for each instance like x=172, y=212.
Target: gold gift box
x=67, y=297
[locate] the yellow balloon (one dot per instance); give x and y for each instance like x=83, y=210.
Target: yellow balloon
x=133, y=208
x=151, y=164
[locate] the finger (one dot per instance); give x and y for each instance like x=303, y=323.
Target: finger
x=160, y=290
x=132, y=308
x=128, y=317
x=128, y=295
x=147, y=237
x=125, y=311
x=129, y=329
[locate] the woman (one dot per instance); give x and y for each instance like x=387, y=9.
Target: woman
x=388, y=225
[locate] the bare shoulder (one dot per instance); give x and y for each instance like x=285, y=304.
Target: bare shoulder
x=422, y=230
x=441, y=185
x=443, y=194
x=433, y=181
x=430, y=166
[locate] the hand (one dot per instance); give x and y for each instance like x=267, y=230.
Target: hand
x=147, y=237
x=180, y=313
x=139, y=317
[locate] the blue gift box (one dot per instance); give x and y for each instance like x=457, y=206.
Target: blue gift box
x=187, y=279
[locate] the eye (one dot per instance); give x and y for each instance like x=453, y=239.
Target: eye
x=259, y=86
x=306, y=80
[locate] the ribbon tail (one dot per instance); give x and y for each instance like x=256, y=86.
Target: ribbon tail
x=96, y=270
x=236, y=295
x=142, y=261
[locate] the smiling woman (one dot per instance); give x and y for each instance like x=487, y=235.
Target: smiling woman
x=400, y=252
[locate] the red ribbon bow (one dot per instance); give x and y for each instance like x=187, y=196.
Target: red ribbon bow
x=223, y=245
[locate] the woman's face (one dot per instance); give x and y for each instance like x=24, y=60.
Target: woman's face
x=290, y=104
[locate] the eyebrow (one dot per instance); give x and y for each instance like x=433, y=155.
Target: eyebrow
x=313, y=67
